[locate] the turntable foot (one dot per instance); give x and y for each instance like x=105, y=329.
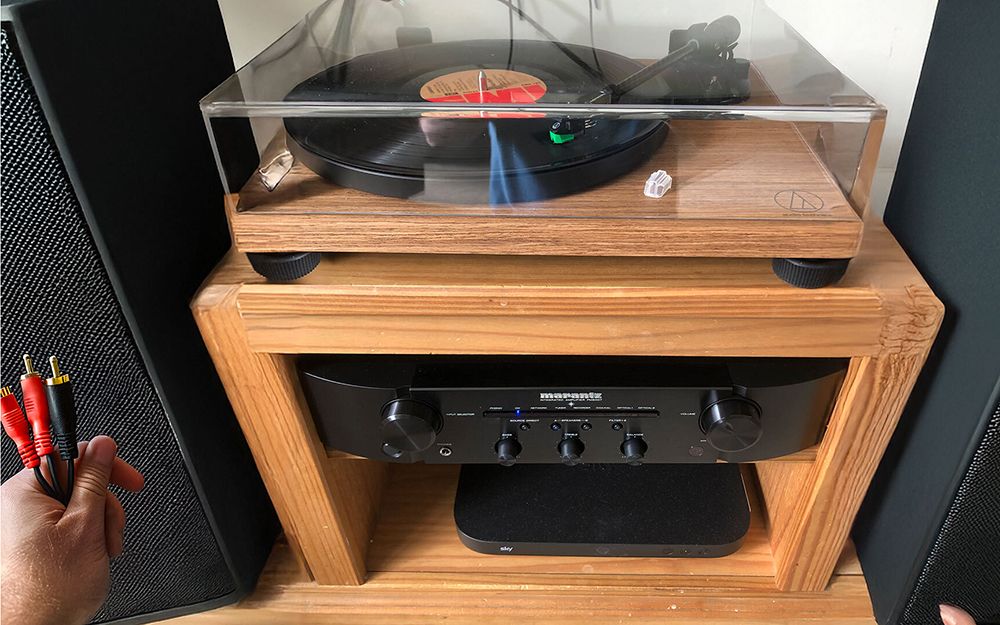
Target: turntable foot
x=283, y=266
x=810, y=273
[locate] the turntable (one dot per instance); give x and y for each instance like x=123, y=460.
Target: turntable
x=498, y=127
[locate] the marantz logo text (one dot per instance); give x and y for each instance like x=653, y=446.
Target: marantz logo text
x=571, y=396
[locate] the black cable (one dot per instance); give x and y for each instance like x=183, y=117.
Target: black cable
x=593, y=46
x=70, y=478
x=62, y=413
x=54, y=473
x=552, y=38
x=45, y=485
x=510, y=31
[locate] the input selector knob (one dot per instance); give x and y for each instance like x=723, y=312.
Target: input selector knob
x=732, y=424
x=570, y=450
x=508, y=449
x=634, y=449
x=409, y=425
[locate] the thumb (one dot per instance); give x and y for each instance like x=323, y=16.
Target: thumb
x=950, y=615
x=90, y=488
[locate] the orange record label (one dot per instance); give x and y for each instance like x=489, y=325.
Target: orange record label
x=488, y=86
x=500, y=86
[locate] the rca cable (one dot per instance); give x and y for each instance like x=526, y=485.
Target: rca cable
x=46, y=427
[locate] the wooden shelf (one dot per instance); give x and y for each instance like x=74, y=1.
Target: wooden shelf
x=807, y=455
x=419, y=572
x=286, y=596
x=367, y=544
x=416, y=533
x=395, y=303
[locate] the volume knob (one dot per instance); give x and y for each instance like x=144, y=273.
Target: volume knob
x=732, y=424
x=409, y=425
x=570, y=450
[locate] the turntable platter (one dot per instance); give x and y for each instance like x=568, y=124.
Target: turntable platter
x=511, y=156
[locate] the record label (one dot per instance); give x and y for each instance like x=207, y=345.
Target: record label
x=499, y=86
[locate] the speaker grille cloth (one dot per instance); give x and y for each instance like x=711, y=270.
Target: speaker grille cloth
x=963, y=568
x=57, y=299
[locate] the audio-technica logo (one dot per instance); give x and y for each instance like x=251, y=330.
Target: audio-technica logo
x=571, y=396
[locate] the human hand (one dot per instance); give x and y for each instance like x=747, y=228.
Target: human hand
x=54, y=559
x=950, y=615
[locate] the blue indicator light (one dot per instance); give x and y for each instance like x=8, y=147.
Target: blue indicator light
x=517, y=412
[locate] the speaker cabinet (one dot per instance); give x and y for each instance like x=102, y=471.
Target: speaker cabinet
x=929, y=530
x=111, y=218
x=963, y=562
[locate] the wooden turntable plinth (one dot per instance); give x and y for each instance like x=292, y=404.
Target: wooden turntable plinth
x=731, y=198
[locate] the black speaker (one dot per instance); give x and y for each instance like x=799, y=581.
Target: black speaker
x=112, y=216
x=929, y=530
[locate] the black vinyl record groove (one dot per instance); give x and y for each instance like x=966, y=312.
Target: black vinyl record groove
x=513, y=157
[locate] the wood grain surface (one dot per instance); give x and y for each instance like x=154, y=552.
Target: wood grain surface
x=732, y=197
x=882, y=316
x=810, y=529
x=326, y=506
x=431, y=578
x=550, y=305
x=416, y=533
x=418, y=598
x=810, y=507
x=515, y=305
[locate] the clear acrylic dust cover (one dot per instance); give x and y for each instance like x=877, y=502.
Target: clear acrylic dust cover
x=543, y=108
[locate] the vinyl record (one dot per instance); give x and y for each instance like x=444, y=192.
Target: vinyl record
x=440, y=157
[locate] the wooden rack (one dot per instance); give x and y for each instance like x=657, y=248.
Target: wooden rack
x=369, y=543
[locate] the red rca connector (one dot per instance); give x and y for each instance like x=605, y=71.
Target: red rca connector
x=17, y=428
x=36, y=408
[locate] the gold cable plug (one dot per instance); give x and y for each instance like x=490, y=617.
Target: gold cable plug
x=29, y=368
x=4, y=391
x=58, y=377
x=62, y=414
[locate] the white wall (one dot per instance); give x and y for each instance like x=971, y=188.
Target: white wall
x=253, y=24
x=879, y=44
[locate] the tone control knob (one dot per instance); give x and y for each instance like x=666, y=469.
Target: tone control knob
x=634, y=449
x=732, y=424
x=409, y=425
x=570, y=450
x=508, y=449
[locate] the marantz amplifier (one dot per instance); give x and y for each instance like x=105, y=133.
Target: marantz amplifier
x=507, y=410
x=611, y=415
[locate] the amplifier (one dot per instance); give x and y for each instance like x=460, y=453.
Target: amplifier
x=526, y=409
